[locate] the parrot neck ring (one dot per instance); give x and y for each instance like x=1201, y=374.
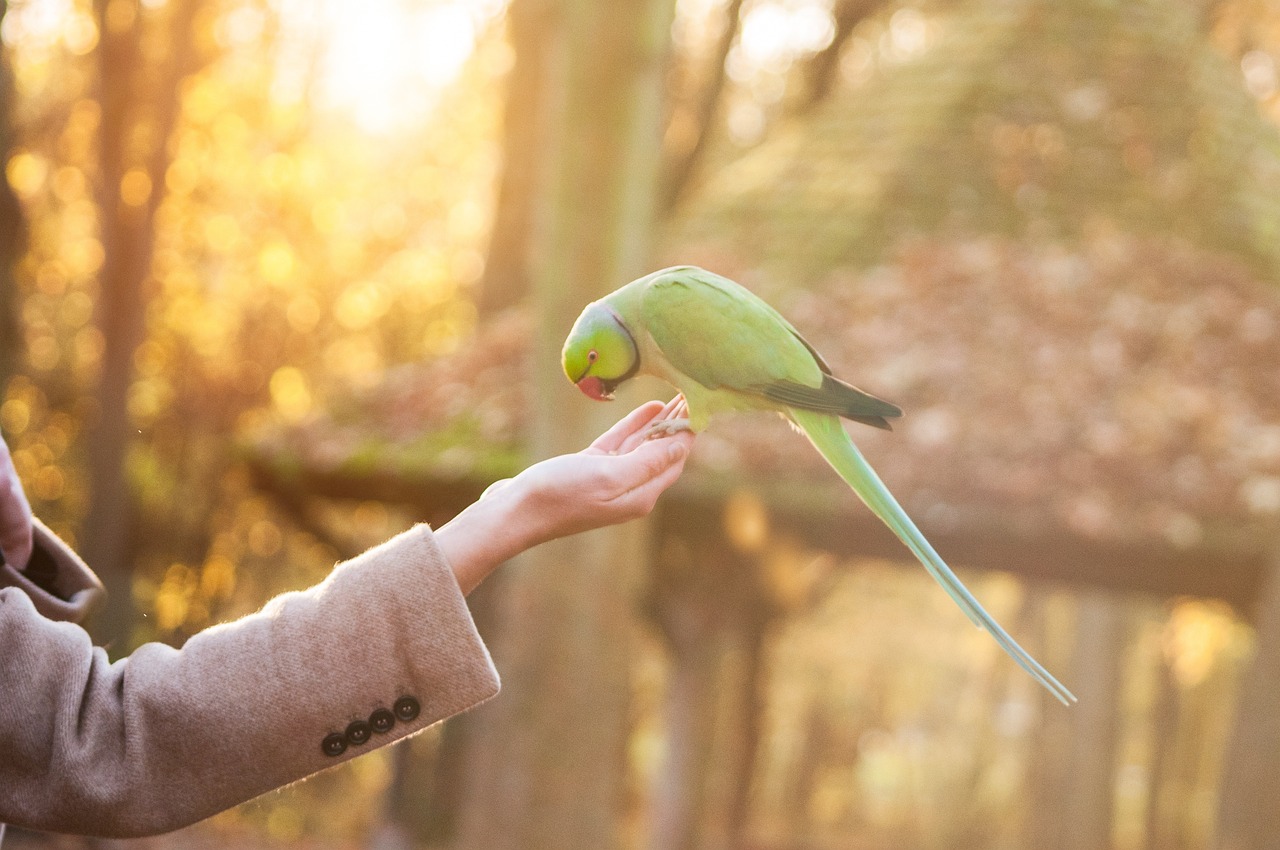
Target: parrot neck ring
x=635, y=353
x=602, y=389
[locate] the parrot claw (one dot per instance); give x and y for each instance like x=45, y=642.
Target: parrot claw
x=667, y=428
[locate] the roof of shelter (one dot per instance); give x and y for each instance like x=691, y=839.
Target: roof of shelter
x=1041, y=118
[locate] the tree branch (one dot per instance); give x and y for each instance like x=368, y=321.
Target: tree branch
x=821, y=70
x=680, y=166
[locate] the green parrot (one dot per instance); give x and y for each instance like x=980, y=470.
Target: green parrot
x=725, y=349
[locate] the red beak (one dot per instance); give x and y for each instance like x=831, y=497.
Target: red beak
x=593, y=387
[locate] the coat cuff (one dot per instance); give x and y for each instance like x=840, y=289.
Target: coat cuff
x=445, y=667
x=61, y=586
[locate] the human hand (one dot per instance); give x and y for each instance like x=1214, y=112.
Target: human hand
x=617, y=478
x=15, y=515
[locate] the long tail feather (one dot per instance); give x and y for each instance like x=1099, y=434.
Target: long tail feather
x=830, y=439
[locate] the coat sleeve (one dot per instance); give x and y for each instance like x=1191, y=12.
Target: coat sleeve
x=381, y=649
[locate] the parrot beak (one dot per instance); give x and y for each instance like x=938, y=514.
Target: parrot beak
x=594, y=388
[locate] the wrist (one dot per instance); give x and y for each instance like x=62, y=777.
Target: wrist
x=488, y=532
x=509, y=523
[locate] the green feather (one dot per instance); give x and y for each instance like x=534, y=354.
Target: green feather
x=722, y=335
x=725, y=337
x=830, y=439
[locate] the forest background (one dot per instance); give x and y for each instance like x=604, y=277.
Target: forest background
x=275, y=272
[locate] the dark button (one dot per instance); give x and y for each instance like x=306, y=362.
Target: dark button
x=358, y=732
x=407, y=708
x=334, y=745
x=382, y=720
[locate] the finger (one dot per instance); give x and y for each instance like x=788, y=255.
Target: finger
x=647, y=462
x=641, y=435
x=612, y=439
x=639, y=500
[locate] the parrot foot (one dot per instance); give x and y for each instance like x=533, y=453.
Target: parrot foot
x=667, y=428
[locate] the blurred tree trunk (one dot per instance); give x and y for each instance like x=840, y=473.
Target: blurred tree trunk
x=1090, y=770
x=550, y=768
x=526, y=129
x=507, y=276
x=967, y=822
x=816, y=747
x=823, y=70
x=11, y=230
x=1249, y=800
x=1046, y=823
x=694, y=123
x=714, y=606
x=524, y=136
x=1185, y=776
x=753, y=684
x=1165, y=712
x=1072, y=777
x=699, y=116
x=139, y=107
x=690, y=718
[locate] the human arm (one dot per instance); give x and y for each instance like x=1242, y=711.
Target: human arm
x=169, y=736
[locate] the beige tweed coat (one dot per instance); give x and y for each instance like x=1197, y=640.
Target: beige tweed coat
x=381, y=649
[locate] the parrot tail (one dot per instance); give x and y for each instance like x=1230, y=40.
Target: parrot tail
x=831, y=441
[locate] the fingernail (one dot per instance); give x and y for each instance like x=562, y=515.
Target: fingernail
x=674, y=452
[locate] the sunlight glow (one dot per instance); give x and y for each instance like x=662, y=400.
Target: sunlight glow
x=383, y=61
x=775, y=33
x=42, y=25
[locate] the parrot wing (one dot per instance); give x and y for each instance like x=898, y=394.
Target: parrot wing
x=722, y=335
x=725, y=337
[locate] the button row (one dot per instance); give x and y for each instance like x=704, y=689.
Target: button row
x=360, y=731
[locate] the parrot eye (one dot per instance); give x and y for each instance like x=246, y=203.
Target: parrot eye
x=592, y=355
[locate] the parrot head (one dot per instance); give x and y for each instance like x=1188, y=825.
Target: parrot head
x=600, y=352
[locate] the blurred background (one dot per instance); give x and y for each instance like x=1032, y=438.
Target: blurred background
x=281, y=278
